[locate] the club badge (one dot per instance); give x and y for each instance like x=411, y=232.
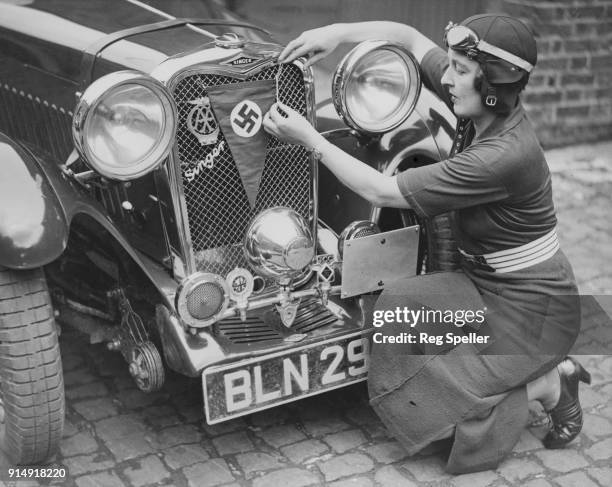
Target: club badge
x=246, y=118
x=240, y=283
x=201, y=121
x=241, y=287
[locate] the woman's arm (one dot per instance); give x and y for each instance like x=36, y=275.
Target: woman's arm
x=318, y=43
x=379, y=189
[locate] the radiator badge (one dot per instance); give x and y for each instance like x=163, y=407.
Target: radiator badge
x=246, y=118
x=201, y=121
x=207, y=163
x=242, y=60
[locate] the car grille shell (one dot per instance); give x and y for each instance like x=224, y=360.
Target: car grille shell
x=218, y=211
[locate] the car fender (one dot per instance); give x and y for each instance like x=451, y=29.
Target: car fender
x=33, y=225
x=426, y=135
x=48, y=201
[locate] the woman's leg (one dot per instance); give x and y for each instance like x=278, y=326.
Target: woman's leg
x=546, y=389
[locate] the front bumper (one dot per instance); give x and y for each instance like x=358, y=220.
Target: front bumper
x=233, y=340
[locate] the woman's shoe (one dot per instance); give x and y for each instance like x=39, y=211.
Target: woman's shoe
x=566, y=416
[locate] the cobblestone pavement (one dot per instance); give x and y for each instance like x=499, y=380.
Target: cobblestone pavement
x=115, y=435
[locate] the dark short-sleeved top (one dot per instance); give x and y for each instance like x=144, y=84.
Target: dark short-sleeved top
x=497, y=185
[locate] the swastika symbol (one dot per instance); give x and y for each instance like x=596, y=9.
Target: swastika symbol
x=246, y=118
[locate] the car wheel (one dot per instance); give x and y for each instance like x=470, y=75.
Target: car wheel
x=442, y=253
x=437, y=248
x=31, y=382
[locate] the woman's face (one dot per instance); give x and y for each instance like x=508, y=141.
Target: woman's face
x=460, y=78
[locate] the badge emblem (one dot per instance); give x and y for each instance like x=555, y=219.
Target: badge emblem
x=248, y=60
x=241, y=283
x=246, y=118
x=190, y=173
x=288, y=312
x=201, y=121
x=242, y=60
x=241, y=287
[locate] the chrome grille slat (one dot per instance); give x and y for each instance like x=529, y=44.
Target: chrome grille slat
x=217, y=207
x=316, y=324
x=311, y=315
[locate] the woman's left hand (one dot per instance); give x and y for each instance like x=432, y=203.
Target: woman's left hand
x=288, y=125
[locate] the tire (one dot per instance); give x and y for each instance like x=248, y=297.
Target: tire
x=438, y=249
x=31, y=382
x=437, y=246
x=442, y=253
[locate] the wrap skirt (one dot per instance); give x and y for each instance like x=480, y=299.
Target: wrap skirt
x=473, y=393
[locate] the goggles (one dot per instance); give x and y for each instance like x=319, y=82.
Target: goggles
x=463, y=38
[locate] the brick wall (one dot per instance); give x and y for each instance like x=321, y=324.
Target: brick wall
x=569, y=96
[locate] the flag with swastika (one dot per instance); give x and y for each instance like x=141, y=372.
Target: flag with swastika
x=239, y=108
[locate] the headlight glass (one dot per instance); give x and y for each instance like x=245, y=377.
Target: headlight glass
x=376, y=86
x=124, y=125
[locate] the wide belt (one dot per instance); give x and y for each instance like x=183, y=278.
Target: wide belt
x=517, y=258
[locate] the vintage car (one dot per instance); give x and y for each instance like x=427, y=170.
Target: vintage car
x=142, y=203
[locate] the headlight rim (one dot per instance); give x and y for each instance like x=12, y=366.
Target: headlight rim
x=95, y=94
x=347, y=66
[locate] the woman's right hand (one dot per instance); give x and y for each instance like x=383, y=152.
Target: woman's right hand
x=314, y=44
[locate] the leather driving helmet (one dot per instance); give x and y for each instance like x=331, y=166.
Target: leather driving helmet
x=506, y=51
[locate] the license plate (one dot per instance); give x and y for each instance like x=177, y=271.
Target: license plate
x=252, y=385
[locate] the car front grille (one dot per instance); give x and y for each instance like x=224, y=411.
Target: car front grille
x=218, y=209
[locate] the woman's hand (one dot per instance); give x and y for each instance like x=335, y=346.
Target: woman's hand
x=288, y=125
x=315, y=44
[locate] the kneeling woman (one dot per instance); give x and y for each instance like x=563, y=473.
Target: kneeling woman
x=497, y=185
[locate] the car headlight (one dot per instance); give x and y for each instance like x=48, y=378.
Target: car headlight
x=278, y=244
x=376, y=86
x=124, y=125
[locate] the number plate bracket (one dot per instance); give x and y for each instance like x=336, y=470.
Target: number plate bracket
x=371, y=262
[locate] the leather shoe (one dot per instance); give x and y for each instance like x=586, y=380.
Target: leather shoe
x=566, y=416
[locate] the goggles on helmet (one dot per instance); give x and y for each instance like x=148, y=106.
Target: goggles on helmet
x=463, y=38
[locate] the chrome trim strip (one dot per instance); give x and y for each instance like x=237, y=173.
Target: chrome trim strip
x=314, y=163
x=178, y=199
x=150, y=9
x=340, y=133
x=168, y=16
